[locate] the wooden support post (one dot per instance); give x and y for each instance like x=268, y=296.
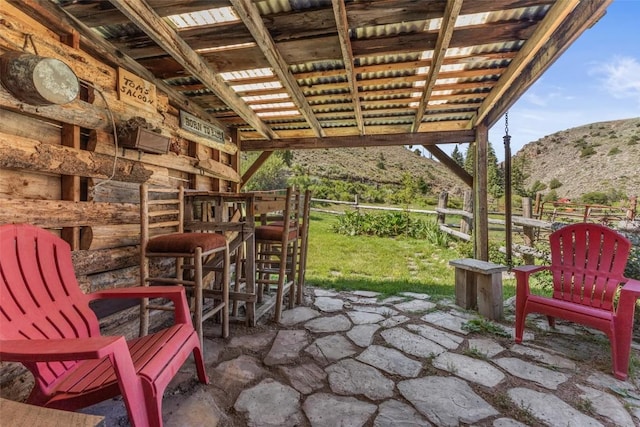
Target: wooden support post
x=481, y=211
x=443, y=200
x=236, y=158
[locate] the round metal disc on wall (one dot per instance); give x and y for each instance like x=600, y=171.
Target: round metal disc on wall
x=37, y=80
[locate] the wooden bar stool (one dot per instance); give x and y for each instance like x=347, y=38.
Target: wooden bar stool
x=303, y=243
x=277, y=251
x=162, y=236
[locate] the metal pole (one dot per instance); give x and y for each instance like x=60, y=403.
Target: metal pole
x=507, y=191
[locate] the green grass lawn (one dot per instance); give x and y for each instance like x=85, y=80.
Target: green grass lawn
x=386, y=265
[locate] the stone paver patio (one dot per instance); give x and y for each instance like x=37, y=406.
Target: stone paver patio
x=351, y=359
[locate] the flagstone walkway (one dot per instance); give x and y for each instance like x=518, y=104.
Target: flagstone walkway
x=352, y=359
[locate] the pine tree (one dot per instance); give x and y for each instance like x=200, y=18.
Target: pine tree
x=519, y=176
x=457, y=156
x=495, y=175
x=469, y=159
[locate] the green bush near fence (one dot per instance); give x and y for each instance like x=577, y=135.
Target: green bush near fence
x=390, y=224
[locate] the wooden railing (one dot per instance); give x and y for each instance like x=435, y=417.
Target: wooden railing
x=525, y=223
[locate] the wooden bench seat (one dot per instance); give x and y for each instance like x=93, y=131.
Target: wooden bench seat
x=479, y=286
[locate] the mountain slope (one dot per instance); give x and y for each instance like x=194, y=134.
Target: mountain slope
x=378, y=165
x=601, y=156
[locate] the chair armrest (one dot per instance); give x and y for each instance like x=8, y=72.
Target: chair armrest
x=529, y=269
x=170, y=292
x=632, y=285
x=60, y=349
x=174, y=293
x=629, y=294
x=631, y=289
x=522, y=277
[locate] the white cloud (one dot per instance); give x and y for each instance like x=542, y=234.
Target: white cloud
x=535, y=99
x=546, y=95
x=620, y=77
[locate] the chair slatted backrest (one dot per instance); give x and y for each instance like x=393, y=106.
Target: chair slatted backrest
x=40, y=295
x=269, y=205
x=162, y=211
x=293, y=210
x=587, y=263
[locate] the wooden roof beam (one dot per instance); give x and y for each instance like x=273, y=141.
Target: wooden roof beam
x=160, y=32
x=255, y=166
x=425, y=138
x=451, y=164
x=340, y=12
x=452, y=10
x=248, y=12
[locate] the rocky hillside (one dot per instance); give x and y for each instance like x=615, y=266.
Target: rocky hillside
x=381, y=165
x=601, y=157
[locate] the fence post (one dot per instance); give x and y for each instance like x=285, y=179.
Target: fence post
x=527, y=229
x=466, y=224
x=538, y=206
x=443, y=200
x=631, y=211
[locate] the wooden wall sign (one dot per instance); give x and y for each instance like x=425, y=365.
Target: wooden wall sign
x=136, y=91
x=200, y=127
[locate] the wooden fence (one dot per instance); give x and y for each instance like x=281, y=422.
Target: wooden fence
x=526, y=221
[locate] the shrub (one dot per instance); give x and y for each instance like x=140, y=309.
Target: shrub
x=538, y=186
x=390, y=224
x=614, y=150
x=551, y=196
x=464, y=248
x=632, y=271
x=349, y=224
x=587, y=151
x=581, y=143
x=555, y=183
x=595, y=197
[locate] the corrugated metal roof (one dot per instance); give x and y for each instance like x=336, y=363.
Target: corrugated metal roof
x=391, y=45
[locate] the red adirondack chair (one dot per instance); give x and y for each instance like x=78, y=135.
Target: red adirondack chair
x=47, y=325
x=587, y=266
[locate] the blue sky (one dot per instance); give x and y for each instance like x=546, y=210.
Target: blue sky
x=596, y=79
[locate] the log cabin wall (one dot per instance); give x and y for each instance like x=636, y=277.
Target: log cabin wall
x=57, y=169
